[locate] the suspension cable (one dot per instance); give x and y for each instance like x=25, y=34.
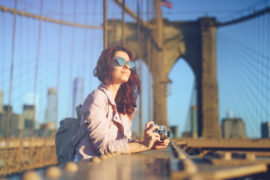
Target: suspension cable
x=11, y=70
x=72, y=53
x=85, y=39
x=105, y=27
x=140, y=66
x=256, y=69
x=37, y=60
x=59, y=56
x=43, y=18
x=3, y=48
x=123, y=22
x=93, y=41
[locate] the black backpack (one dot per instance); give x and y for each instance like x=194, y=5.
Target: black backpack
x=65, y=145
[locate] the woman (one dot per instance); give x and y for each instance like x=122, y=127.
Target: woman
x=107, y=112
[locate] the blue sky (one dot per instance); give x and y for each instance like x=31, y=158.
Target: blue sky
x=85, y=55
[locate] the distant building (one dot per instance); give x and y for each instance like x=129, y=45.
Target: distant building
x=1, y=101
x=47, y=130
x=174, y=131
x=16, y=123
x=3, y=124
x=7, y=107
x=229, y=114
x=265, y=129
x=29, y=116
x=51, y=110
x=191, y=128
x=78, y=92
x=233, y=128
x=194, y=121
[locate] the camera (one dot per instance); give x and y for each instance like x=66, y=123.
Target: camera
x=163, y=132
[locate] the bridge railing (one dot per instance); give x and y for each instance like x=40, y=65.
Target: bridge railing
x=19, y=154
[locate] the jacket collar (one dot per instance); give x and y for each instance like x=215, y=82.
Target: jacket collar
x=105, y=89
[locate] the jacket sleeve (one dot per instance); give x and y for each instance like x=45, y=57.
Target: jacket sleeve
x=98, y=126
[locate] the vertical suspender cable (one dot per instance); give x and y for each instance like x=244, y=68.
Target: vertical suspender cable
x=11, y=69
x=265, y=67
x=263, y=70
x=268, y=64
x=105, y=25
x=123, y=22
x=251, y=43
x=85, y=38
x=3, y=49
x=259, y=95
x=259, y=98
x=85, y=46
x=37, y=60
x=93, y=40
x=140, y=68
x=264, y=35
x=59, y=57
x=20, y=60
x=149, y=63
x=72, y=54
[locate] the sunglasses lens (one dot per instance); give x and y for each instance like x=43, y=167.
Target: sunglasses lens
x=131, y=64
x=121, y=62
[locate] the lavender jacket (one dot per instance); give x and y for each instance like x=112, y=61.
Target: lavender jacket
x=107, y=130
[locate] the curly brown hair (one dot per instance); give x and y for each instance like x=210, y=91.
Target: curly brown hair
x=127, y=94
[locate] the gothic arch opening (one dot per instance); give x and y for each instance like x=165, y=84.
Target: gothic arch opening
x=180, y=94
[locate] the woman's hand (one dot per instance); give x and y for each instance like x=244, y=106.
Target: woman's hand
x=161, y=145
x=151, y=140
x=149, y=136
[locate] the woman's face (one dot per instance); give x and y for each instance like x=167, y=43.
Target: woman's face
x=121, y=73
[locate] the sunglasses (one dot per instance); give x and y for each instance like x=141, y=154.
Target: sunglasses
x=118, y=61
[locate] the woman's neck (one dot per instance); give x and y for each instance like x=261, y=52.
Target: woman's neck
x=114, y=89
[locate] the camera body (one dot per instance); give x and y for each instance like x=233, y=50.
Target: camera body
x=163, y=132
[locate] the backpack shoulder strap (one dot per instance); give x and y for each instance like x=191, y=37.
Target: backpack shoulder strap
x=82, y=130
x=78, y=111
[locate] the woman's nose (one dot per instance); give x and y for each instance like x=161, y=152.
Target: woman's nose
x=126, y=66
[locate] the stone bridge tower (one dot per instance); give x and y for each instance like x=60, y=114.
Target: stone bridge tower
x=161, y=47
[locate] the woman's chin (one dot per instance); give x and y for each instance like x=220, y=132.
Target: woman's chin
x=124, y=81
x=121, y=81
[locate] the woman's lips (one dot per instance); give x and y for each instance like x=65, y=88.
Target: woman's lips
x=125, y=72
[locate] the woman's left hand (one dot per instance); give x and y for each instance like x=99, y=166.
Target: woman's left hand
x=161, y=145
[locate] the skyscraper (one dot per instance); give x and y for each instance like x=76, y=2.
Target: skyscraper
x=51, y=110
x=233, y=128
x=29, y=116
x=265, y=129
x=1, y=101
x=78, y=90
x=16, y=122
